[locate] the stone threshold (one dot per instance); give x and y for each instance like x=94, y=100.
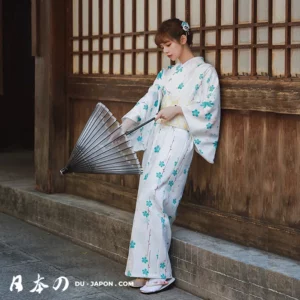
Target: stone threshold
x=205, y=266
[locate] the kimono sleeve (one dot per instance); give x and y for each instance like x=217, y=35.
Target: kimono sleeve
x=203, y=115
x=143, y=109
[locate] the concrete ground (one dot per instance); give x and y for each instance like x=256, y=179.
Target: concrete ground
x=29, y=251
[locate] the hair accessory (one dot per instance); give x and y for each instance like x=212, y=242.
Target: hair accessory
x=185, y=26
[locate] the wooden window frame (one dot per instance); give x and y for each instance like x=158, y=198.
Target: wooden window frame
x=202, y=48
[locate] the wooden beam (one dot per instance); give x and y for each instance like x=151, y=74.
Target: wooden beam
x=50, y=109
x=1, y=47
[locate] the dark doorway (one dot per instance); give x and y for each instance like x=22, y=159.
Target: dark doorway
x=17, y=101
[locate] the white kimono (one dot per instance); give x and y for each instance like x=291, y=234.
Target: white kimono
x=169, y=147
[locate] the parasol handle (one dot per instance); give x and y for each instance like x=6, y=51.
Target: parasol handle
x=141, y=125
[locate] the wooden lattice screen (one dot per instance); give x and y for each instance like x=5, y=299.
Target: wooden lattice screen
x=249, y=38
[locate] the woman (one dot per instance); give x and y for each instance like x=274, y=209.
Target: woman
x=188, y=96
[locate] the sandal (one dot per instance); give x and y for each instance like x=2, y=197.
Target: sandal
x=138, y=282
x=155, y=285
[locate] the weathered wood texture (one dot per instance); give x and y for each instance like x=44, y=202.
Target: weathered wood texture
x=250, y=195
x=50, y=109
x=1, y=48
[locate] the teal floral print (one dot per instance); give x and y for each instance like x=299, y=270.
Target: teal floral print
x=159, y=175
x=145, y=272
x=156, y=103
x=132, y=244
x=174, y=172
x=197, y=141
x=171, y=183
x=146, y=176
x=139, y=119
x=181, y=85
x=209, y=126
x=146, y=107
x=201, y=76
x=162, y=265
x=207, y=104
x=215, y=144
x=145, y=214
x=211, y=88
x=174, y=201
x=163, y=276
x=149, y=203
x=157, y=149
x=196, y=113
x=208, y=116
x=161, y=164
x=159, y=75
x=144, y=260
x=178, y=69
x=128, y=273
x=139, y=139
x=197, y=86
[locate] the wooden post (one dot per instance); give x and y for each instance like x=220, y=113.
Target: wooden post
x=50, y=104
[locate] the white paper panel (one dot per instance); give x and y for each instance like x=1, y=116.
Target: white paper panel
x=278, y=62
x=75, y=45
x=262, y=35
x=75, y=64
x=128, y=64
x=226, y=61
x=244, y=36
x=244, y=61
x=75, y=18
x=195, y=13
x=210, y=57
x=128, y=16
x=151, y=42
x=166, y=9
x=95, y=17
x=117, y=63
x=262, y=10
x=95, y=64
x=117, y=18
x=105, y=16
x=85, y=45
x=117, y=43
x=196, y=38
x=105, y=64
x=295, y=35
x=140, y=63
x=180, y=9
x=165, y=61
x=295, y=64
x=245, y=11
x=140, y=42
x=227, y=12
x=227, y=37
x=210, y=12
x=152, y=9
x=128, y=42
x=261, y=61
x=278, y=36
x=85, y=64
x=95, y=45
x=105, y=45
x=295, y=11
x=278, y=11
x=152, y=63
x=140, y=8
x=210, y=38
x=85, y=17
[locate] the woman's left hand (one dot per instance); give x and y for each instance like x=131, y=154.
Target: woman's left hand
x=168, y=113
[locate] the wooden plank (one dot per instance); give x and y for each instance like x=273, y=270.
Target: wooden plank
x=34, y=27
x=280, y=97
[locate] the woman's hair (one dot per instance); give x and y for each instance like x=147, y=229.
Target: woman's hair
x=172, y=30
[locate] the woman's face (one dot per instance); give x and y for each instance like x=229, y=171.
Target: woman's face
x=172, y=49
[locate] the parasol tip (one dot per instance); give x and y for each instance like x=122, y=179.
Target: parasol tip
x=63, y=171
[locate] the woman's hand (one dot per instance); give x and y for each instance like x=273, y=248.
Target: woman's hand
x=168, y=113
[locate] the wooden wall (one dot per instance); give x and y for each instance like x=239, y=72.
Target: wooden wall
x=250, y=195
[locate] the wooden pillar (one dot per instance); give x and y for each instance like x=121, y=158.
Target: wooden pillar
x=50, y=96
